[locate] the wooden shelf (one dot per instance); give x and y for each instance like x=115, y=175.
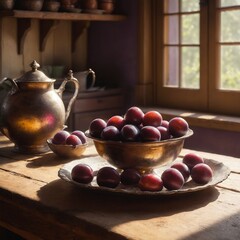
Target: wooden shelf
x=49, y=21
x=61, y=16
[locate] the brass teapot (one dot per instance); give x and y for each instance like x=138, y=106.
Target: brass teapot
x=33, y=110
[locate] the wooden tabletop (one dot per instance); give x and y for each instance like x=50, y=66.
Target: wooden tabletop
x=36, y=204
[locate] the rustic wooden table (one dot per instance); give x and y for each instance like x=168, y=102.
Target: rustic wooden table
x=36, y=204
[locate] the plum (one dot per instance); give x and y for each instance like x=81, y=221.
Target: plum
x=130, y=176
x=96, y=126
x=150, y=182
x=178, y=127
x=82, y=173
x=183, y=169
x=110, y=133
x=116, y=121
x=172, y=179
x=165, y=123
x=150, y=133
x=152, y=118
x=108, y=177
x=60, y=137
x=191, y=159
x=201, y=173
x=73, y=140
x=80, y=135
x=164, y=133
x=130, y=133
x=134, y=115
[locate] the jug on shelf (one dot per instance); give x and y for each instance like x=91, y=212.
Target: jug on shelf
x=85, y=81
x=33, y=110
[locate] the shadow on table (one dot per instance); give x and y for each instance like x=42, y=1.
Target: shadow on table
x=121, y=207
x=48, y=159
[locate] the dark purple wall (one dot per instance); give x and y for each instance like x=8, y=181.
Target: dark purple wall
x=112, y=48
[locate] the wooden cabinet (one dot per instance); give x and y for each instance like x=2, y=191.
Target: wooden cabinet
x=91, y=105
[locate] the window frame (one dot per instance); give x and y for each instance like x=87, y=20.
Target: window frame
x=197, y=98
x=150, y=84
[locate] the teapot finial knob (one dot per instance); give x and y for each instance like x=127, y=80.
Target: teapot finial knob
x=70, y=74
x=34, y=65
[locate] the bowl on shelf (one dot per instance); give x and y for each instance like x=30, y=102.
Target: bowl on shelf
x=32, y=5
x=144, y=156
x=67, y=151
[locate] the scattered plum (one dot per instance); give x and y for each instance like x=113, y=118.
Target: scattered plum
x=73, y=140
x=172, y=179
x=116, y=121
x=134, y=115
x=130, y=133
x=201, y=173
x=150, y=133
x=152, y=118
x=82, y=173
x=183, y=169
x=80, y=135
x=60, y=137
x=130, y=176
x=191, y=159
x=150, y=182
x=164, y=133
x=96, y=127
x=108, y=177
x=178, y=127
x=110, y=133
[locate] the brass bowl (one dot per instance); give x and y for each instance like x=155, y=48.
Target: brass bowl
x=144, y=156
x=67, y=151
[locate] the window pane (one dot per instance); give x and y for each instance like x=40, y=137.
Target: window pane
x=190, y=67
x=230, y=70
x=190, y=29
x=230, y=31
x=189, y=6
x=171, y=66
x=172, y=6
x=173, y=30
x=226, y=3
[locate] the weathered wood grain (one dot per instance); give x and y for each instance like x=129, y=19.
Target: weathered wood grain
x=36, y=204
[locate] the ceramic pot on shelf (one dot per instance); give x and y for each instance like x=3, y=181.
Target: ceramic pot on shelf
x=90, y=4
x=7, y=4
x=107, y=5
x=32, y=5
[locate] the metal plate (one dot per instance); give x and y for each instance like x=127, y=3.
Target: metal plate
x=220, y=173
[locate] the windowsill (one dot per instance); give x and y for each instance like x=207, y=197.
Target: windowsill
x=205, y=120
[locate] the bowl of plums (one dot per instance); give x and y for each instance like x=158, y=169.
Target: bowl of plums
x=139, y=153
x=67, y=144
x=139, y=140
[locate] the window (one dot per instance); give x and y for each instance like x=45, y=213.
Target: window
x=197, y=60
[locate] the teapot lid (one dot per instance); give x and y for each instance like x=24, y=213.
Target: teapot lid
x=34, y=75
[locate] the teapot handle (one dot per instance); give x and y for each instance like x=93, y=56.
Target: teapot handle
x=14, y=88
x=61, y=89
x=90, y=71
